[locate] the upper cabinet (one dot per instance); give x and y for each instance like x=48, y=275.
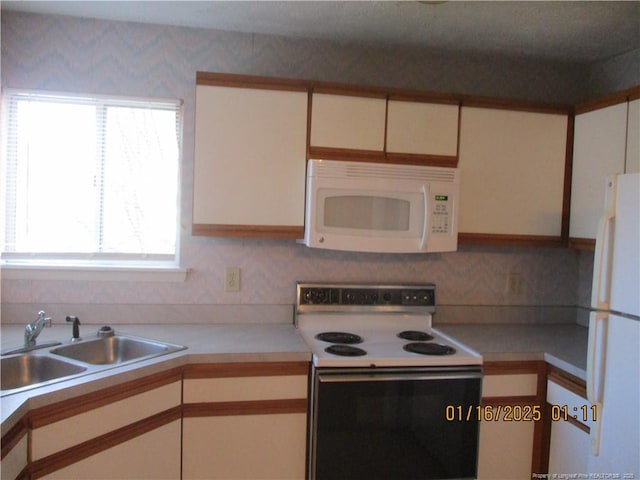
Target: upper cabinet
x=512, y=175
x=347, y=124
x=250, y=159
x=417, y=131
x=605, y=142
x=632, y=163
x=376, y=126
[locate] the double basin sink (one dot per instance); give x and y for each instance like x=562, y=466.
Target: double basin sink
x=37, y=368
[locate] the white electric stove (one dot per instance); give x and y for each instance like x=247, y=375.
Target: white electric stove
x=375, y=326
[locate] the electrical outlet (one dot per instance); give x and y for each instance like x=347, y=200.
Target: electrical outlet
x=231, y=279
x=514, y=283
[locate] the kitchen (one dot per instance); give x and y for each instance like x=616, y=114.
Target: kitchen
x=69, y=54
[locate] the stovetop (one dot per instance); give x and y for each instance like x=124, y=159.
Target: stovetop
x=373, y=317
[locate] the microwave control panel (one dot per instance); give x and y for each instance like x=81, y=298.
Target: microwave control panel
x=441, y=213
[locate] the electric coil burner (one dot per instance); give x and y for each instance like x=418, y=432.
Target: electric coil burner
x=381, y=381
x=339, y=337
x=415, y=335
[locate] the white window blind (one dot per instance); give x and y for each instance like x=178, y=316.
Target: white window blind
x=90, y=178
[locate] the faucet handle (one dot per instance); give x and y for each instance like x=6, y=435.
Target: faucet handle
x=46, y=321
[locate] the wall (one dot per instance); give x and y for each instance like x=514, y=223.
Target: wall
x=80, y=55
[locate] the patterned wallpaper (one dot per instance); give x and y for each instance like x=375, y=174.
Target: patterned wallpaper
x=80, y=55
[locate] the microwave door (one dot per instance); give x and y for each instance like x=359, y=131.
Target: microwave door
x=368, y=220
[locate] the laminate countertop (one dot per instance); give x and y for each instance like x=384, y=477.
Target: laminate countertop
x=561, y=344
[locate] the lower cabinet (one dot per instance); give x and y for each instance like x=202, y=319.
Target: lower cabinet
x=152, y=455
x=510, y=427
x=15, y=452
x=131, y=430
x=569, y=443
x=245, y=421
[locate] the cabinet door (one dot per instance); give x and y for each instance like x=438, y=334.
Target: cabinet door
x=130, y=430
x=154, y=455
x=569, y=445
x=15, y=460
x=347, y=122
x=420, y=128
x=250, y=161
x=266, y=446
x=506, y=445
x=633, y=137
x=505, y=450
x=598, y=151
x=512, y=172
x=245, y=421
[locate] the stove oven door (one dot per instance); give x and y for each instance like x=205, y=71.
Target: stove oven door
x=394, y=423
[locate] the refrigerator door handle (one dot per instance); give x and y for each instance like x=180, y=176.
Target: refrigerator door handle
x=595, y=370
x=601, y=286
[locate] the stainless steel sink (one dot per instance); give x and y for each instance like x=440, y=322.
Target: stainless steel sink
x=114, y=350
x=25, y=370
x=46, y=366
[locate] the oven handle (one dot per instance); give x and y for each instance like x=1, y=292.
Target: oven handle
x=389, y=377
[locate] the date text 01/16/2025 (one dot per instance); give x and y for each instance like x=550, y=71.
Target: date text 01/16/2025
x=518, y=413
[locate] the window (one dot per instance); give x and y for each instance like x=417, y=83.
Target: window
x=90, y=180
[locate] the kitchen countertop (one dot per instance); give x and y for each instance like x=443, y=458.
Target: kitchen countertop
x=561, y=344
x=207, y=343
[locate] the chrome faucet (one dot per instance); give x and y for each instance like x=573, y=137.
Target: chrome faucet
x=33, y=329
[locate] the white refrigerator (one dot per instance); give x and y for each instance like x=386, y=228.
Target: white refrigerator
x=613, y=364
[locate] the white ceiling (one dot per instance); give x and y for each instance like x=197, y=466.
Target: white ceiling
x=567, y=31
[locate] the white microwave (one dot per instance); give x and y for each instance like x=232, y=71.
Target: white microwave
x=374, y=207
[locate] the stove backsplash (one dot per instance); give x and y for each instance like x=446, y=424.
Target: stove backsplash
x=472, y=276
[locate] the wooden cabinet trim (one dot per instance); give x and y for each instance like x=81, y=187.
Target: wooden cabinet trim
x=568, y=382
x=13, y=436
x=587, y=244
x=249, y=369
x=568, y=175
x=419, y=97
x=511, y=400
x=271, y=231
x=332, y=153
x=514, y=105
x=249, y=407
x=502, y=240
x=500, y=367
x=418, y=159
x=608, y=100
x=86, y=449
x=69, y=408
x=250, y=81
x=347, y=90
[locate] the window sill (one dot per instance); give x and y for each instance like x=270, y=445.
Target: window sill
x=107, y=273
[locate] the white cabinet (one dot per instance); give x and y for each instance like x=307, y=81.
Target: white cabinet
x=400, y=129
x=512, y=172
x=599, y=149
x=347, y=122
x=569, y=441
x=245, y=421
x=506, y=444
x=421, y=128
x=127, y=431
x=154, y=455
x=632, y=164
x=250, y=161
x=14, y=453
x=606, y=140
